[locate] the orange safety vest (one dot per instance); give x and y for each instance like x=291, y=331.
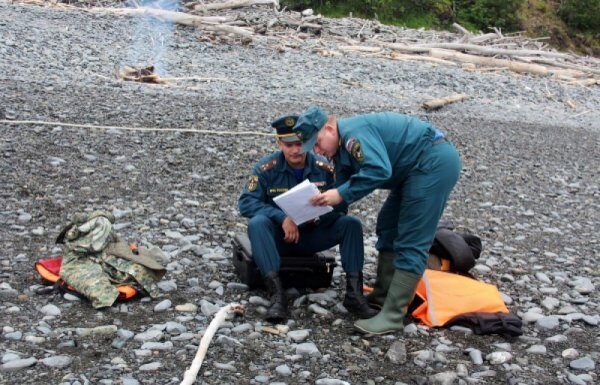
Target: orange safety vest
x=446, y=295
x=49, y=269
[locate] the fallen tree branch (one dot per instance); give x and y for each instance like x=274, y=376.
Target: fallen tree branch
x=190, y=375
x=487, y=61
x=179, y=18
x=493, y=51
x=405, y=57
x=232, y=4
x=434, y=104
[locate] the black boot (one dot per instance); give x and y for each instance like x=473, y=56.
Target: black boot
x=354, y=301
x=278, y=309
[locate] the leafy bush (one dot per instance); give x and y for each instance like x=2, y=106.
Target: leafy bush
x=583, y=15
x=482, y=14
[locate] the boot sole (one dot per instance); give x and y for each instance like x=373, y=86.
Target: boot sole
x=370, y=333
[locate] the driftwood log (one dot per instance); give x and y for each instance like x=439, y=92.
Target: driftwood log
x=435, y=104
x=232, y=4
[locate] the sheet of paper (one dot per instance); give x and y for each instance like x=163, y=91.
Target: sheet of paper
x=295, y=203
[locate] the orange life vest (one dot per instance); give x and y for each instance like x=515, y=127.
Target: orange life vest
x=446, y=295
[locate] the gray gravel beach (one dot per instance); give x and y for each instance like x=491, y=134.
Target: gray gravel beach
x=529, y=187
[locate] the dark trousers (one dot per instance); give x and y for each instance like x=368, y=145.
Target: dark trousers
x=268, y=245
x=408, y=219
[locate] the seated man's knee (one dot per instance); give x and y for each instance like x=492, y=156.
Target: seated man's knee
x=351, y=222
x=259, y=222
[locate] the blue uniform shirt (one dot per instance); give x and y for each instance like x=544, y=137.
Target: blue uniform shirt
x=272, y=176
x=377, y=151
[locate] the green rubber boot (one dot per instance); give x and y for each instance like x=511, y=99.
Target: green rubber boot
x=391, y=317
x=385, y=272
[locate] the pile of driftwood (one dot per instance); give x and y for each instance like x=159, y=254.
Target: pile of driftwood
x=262, y=21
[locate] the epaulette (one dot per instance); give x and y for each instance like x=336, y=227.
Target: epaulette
x=269, y=165
x=325, y=166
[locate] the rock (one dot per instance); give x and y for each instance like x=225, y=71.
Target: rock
x=103, y=330
x=14, y=336
x=497, y=358
x=397, y=353
x=208, y=308
x=18, y=364
x=550, y=303
x=542, y=277
x=7, y=357
x=228, y=341
x=129, y=381
x=150, y=367
x=175, y=328
x=557, y=339
x=283, y=370
x=229, y=366
x=163, y=306
x=411, y=329
x=583, y=285
x=152, y=345
x=259, y=301
x=167, y=286
x=547, y=323
x=319, y=310
x=242, y=328
x=51, y=310
x=476, y=356
x=443, y=378
x=536, y=349
x=570, y=353
x=149, y=335
x=57, y=361
x=330, y=381
x=298, y=335
x=187, y=308
x=584, y=363
x=308, y=349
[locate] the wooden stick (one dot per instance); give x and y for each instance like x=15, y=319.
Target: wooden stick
x=196, y=78
x=189, y=377
x=358, y=48
x=488, y=61
x=405, y=57
x=461, y=29
x=493, y=51
x=179, y=18
x=434, y=104
x=232, y=4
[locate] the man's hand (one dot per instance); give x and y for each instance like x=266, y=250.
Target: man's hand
x=292, y=235
x=328, y=198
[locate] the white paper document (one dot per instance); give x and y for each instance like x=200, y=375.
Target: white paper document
x=295, y=203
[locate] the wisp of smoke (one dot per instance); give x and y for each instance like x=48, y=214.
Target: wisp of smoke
x=151, y=37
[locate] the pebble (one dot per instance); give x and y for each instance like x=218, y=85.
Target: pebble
x=228, y=366
x=208, y=308
x=283, y=370
x=14, y=336
x=57, y=361
x=149, y=335
x=536, y=349
x=330, y=381
x=129, y=381
x=163, y=305
x=319, y=310
x=187, y=308
x=497, y=358
x=242, y=328
x=151, y=366
x=51, y=310
x=102, y=330
x=18, y=364
x=583, y=285
x=152, y=345
x=397, y=353
x=298, y=335
x=570, y=353
x=547, y=323
x=476, y=356
x=443, y=378
x=167, y=286
x=308, y=349
x=584, y=363
x=259, y=301
x=542, y=277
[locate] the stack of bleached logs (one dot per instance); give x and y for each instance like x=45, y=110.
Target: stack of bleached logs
x=262, y=20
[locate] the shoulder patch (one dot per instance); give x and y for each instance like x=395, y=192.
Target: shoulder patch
x=252, y=183
x=325, y=166
x=269, y=165
x=353, y=147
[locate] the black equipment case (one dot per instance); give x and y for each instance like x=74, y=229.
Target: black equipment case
x=299, y=271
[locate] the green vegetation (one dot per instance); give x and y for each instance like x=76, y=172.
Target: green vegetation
x=571, y=24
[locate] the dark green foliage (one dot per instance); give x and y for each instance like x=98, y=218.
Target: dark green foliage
x=583, y=15
x=483, y=14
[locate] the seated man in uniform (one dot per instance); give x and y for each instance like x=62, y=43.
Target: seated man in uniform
x=273, y=234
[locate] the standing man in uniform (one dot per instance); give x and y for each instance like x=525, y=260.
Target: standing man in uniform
x=417, y=164
x=273, y=234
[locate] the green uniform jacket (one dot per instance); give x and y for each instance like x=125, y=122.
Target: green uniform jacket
x=272, y=176
x=377, y=151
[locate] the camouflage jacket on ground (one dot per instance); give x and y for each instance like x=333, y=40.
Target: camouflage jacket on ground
x=95, y=260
